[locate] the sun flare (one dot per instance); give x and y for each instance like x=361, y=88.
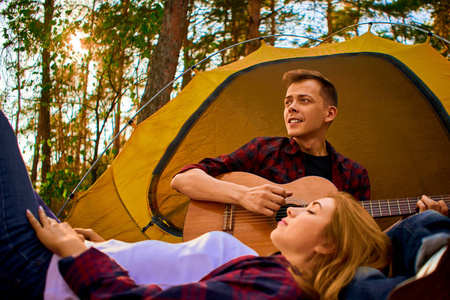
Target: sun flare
x=77, y=43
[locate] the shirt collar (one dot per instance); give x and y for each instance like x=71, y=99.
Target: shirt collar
x=292, y=148
x=335, y=156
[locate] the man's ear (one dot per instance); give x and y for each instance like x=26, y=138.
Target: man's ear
x=331, y=113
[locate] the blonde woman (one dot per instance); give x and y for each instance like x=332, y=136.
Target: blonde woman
x=318, y=258
x=352, y=239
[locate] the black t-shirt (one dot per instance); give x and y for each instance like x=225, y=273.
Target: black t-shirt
x=318, y=166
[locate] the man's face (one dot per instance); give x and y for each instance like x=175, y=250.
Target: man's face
x=304, y=112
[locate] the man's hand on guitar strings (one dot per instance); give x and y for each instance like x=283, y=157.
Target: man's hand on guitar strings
x=265, y=199
x=425, y=203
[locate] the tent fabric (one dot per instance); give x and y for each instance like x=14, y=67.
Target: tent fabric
x=392, y=118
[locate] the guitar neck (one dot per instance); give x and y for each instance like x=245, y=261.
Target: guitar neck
x=396, y=207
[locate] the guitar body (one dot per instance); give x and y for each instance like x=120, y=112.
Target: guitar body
x=209, y=217
x=250, y=228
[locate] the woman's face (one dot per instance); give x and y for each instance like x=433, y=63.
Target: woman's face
x=302, y=232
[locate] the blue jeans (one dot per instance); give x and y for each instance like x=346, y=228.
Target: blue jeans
x=410, y=239
x=23, y=259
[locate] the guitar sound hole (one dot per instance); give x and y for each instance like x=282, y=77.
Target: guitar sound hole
x=282, y=212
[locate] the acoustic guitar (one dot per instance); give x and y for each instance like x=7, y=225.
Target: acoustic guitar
x=254, y=229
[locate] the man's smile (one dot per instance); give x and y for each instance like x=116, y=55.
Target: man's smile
x=294, y=121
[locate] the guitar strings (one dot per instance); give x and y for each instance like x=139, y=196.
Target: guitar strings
x=397, y=207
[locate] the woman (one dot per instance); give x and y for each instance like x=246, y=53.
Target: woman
x=328, y=250
x=318, y=258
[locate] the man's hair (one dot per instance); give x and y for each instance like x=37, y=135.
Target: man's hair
x=328, y=90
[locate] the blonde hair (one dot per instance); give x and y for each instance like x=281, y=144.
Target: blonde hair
x=355, y=240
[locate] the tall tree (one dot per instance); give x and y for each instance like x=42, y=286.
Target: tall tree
x=272, y=18
x=119, y=82
x=187, y=50
x=440, y=12
x=329, y=16
x=164, y=60
x=19, y=90
x=254, y=12
x=44, y=106
x=82, y=114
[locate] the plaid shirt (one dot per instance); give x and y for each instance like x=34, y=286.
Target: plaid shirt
x=93, y=275
x=280, y=160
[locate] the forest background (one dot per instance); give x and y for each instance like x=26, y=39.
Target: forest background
x=73, y=73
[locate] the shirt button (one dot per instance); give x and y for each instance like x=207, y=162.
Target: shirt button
x=300, y=172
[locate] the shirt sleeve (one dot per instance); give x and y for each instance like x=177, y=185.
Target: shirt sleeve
x=93, y=275
x=243, y=159
x=361, y=184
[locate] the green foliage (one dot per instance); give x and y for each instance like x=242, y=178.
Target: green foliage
x=60, y=183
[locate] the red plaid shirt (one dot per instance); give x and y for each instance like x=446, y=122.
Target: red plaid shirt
x=94, y=275
x=280, y=160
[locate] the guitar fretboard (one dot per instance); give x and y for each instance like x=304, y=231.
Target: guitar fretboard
x=396, y=207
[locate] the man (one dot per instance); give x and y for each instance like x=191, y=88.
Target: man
x=310, y=106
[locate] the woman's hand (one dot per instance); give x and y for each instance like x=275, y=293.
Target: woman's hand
x=59, y=238
x=89, y=235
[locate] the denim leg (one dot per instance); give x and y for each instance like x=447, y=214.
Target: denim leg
x=47, y=210
x=23, y=259
x=370, y=284
x=407, y=237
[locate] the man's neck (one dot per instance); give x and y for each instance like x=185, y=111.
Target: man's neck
x=315, y=147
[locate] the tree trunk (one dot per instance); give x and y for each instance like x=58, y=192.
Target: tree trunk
x=235, y=31
x=227, y=25
x=119, y=79
x=254, y=12
x=188, y=61
x=44, y=118
x=441, y=23
x=34, y=167
x=116, y=145
x=187, y=76
x=82, y=124
x=273, y=23
x=82, y=113
x=330, y=19
x=60, y=150
x=164, y=59
x=98, y=131
x=44, y=106
x=19, y=96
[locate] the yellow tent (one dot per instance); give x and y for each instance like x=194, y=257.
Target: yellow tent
x=393, y=119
